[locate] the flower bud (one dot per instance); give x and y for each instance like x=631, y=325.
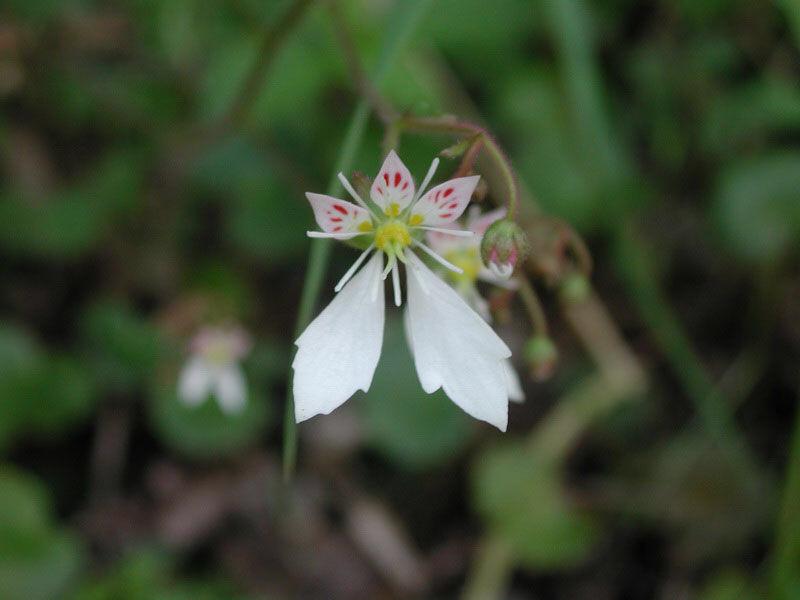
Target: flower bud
x=542, y=356
x=503, y=245
x=574, y=289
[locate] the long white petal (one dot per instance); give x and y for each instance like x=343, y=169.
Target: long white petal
x=513, y=385
x=338, y=352
x=454, y=348
x=230, y=388
x=194, y=382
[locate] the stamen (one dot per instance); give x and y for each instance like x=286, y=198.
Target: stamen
x=350, y=190
x=346, y=277
x=396, y=283
x=336, y=236
x=427, y=180
x=389, y=265
x=446, y=264
x=453, y=232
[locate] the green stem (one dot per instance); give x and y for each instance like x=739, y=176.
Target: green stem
x=409, y=12
x=491, y=572
x=465, y=128
x=533, y=305
x=786, y=559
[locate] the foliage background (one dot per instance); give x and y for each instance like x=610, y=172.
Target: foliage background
x=147, y=190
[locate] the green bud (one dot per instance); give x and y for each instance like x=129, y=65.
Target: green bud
x=575, y=288
x=541, y=355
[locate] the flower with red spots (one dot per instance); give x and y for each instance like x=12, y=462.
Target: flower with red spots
x=453, y=347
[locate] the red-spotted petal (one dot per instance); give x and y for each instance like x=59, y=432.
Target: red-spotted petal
x=339, y=216
x=393, y=188
x=444, y=203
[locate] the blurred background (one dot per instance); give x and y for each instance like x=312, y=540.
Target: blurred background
x=154, y=157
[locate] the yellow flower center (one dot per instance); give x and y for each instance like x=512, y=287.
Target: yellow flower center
x=468, y=261
x=392, y=235
x=218, y=352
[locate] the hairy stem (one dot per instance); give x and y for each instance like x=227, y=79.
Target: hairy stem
x=533, y=306
x=454, y=126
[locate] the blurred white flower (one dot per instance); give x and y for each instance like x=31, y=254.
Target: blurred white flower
x=453, y=347
x=465, y=253
x=213, y=368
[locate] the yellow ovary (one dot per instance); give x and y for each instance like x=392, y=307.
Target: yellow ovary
x=392, y=236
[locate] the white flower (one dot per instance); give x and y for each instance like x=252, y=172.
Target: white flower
x=453, y=347
x=213, y=368
x=465, y=253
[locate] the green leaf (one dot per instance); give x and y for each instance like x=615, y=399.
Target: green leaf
x=71, y=221
x=39, y=394
x=757, y=206
x=123, y=348
x=205, y=431
x=37, y=562
x=522, y=501
x=269, y=222
x=729, y=584
x=412, y=428
x=147, y=575
x=755, y=110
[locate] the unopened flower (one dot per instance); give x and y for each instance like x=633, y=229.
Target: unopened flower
x=453, y=347
x=213, y=368
x=503, y=245
x=465, y=253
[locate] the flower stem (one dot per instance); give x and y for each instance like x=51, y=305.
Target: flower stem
x=493, y=565
x=402, y=25
x=464, y=128
x=533, y=305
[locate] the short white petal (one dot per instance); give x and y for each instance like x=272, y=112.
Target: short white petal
x=194, y=382
x=338, y=352
x=230, y=388
x=454, y=348
x=515, y=392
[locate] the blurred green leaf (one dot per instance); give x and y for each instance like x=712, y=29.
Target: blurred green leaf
x=205, y=431
x=39, y=394
x=729, y=585
x=264, y=218
x=412, y=428
x=37, y=562
x=753, y=111
x=42, y=11
x=269, y=222
x=757, y=206
x=123, y=348
x=522, y=500
x=71, y=221
x=146, y=575
x=545, y=159
x=481, y=37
